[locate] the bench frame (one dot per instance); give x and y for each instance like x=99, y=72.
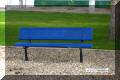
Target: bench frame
x=26, y=54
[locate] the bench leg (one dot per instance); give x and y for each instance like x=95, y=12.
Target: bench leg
x=81, y=56
x=26, y=53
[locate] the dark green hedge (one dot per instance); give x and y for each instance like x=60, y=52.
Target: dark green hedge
x=62, y=3
x=103, y=4
x=80, y=3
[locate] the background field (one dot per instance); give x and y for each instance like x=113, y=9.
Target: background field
x=2, y=29
x=17, y=19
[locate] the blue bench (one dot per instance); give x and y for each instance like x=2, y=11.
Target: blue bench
x=81, y=34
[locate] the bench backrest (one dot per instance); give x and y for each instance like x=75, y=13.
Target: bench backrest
x=56, y=34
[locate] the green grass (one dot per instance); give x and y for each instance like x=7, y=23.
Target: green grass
x=2, y=28
x=100, y=23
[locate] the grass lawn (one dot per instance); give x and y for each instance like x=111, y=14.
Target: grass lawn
x=2, y=28
x=17, y=19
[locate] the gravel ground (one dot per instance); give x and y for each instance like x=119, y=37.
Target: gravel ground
x=2, y=62
x=63, y=9
x=58, y=61
x=2, y=9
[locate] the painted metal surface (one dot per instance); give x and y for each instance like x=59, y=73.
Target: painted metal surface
x=56, y=34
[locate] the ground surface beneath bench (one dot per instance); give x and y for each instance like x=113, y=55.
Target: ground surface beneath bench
x=59, y=61
x=2, y=62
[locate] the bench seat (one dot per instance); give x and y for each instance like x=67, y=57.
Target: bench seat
x=62, y=45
